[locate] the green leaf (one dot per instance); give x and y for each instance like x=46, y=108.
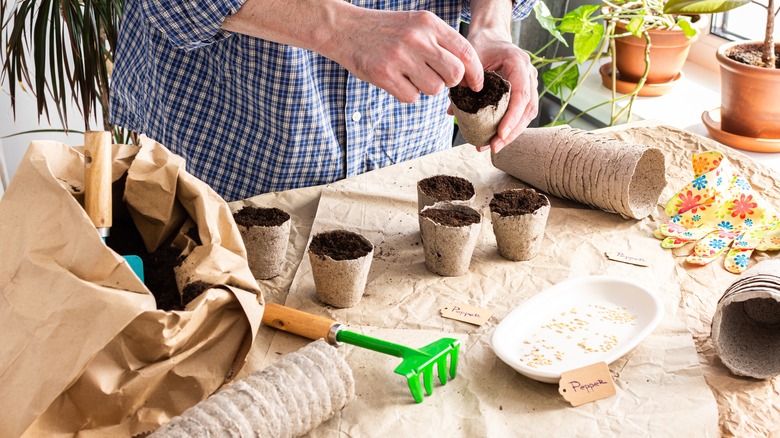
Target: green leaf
x=578, y=21
x=684, y=23
x=586, y=43
x=547, y=21
x=564, y=76
x=635, y=26
x=701, y=6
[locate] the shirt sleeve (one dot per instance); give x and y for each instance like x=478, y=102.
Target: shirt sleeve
x=190, y=24
x=520, y=9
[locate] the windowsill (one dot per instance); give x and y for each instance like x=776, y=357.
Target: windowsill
x=697, y=91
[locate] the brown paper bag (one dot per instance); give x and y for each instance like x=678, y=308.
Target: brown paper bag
x=82, y=344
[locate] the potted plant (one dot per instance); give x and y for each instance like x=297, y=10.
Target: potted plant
x=71, y=45
x=749, y=75
x=597, y=30
x=649, y=40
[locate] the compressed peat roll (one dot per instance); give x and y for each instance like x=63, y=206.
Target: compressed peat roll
x=609, y=174
x=287, y=399
x=746, y=324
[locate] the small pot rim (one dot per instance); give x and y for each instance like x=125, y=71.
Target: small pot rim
x=699, y=23
x=354, y=233
x=725, y=61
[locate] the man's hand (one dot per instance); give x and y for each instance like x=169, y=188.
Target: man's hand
x=404, y=52
x=514, y=65
x=407, y=53
x=490, y=35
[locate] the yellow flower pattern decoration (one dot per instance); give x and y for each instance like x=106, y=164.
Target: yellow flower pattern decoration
x=719, y=210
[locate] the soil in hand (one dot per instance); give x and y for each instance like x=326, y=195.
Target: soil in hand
x=751, y=54
x=472, y=101
x=517, y=202
x=447, y=188
x=258, y=216
x=451, y=218
x=340, y=245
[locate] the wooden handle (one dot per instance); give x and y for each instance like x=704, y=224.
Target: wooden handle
x=97, y=179
x=297, y=322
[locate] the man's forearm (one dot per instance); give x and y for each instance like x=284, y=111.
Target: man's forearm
x=305, y=24
x=494, y=16
x=406, y=53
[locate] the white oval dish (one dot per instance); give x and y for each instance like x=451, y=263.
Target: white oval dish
x=576, y=323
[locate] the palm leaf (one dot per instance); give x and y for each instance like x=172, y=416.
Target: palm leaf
x=70, y=45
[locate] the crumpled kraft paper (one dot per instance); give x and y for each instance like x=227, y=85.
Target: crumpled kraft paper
x=660, y=383
x=82, y=346
x=747, y=407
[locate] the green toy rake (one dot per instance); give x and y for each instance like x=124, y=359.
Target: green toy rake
x=415, y=363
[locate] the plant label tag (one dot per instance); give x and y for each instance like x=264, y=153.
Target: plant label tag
x=466, y=313
x=620, y=256
x=587, y=384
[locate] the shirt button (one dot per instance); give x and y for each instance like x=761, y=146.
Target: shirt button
x=356, y=116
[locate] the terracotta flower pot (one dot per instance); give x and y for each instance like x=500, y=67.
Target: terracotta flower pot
x=668, y=52
x=749, y=96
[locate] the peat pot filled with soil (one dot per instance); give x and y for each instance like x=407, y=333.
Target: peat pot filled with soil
x=266, y=232
x=340, y=261
x=519, y=218
x=444, y=188
x=449, y=233
x=479, y=112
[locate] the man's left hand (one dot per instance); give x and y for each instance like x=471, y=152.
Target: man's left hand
x=511, y=62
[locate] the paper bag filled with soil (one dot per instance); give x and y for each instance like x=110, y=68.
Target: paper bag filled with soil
x=84, y=344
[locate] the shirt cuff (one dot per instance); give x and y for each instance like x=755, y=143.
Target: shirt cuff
x=520, y=9
x=190, y=24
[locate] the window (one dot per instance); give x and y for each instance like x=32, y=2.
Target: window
x=744, y=23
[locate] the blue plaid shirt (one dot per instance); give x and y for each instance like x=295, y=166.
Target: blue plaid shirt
x=251, y=116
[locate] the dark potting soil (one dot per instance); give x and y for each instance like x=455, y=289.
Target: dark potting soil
x=517, y=202
x=160, y=277
x=472, y=101
x=750, y=54
x=125, y=239
x=340, y=245
x=193, y=290
x=193, y=234
x=258, y=216
x=447, y=188
x=451, y=218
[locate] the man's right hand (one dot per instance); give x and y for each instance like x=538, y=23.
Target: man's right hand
x=408, y=53
x=403, y=52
